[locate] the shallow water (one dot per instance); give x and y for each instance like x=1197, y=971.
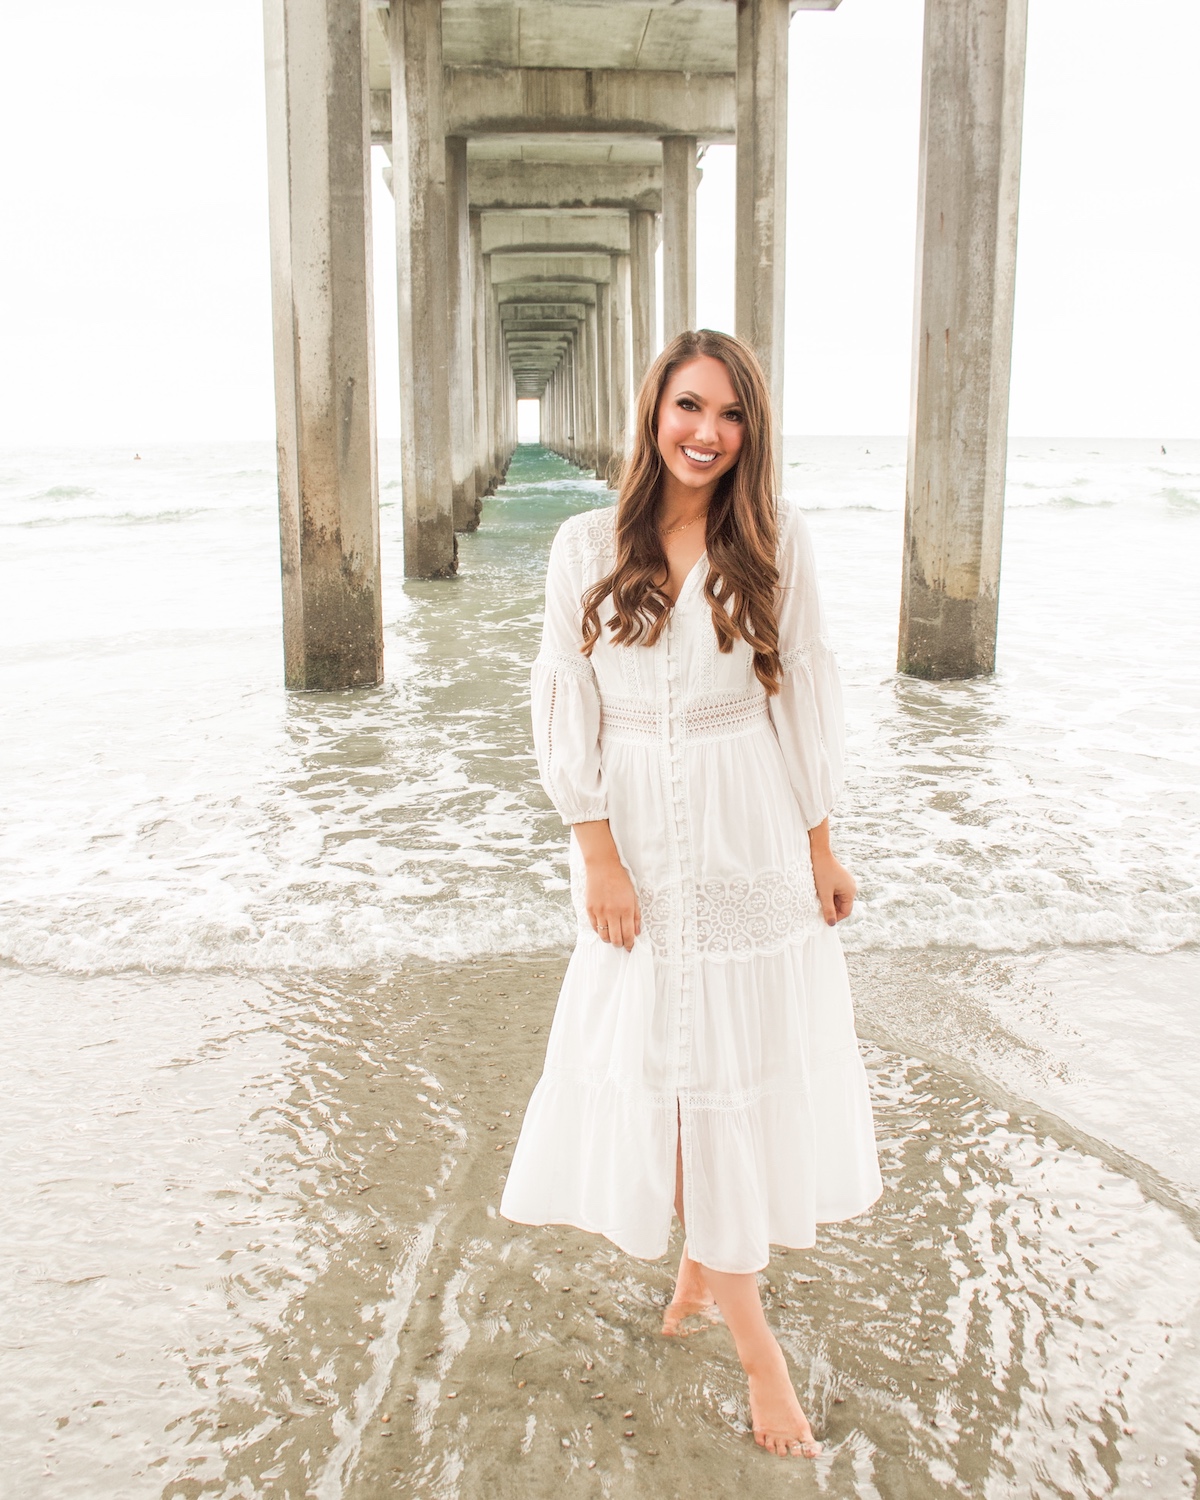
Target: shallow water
x=226, y=923
x=166, y=806
x=301, y=1239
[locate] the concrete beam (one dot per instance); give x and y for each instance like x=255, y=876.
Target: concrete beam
x=482, y=101
x=318, y=161
x=518, y=312
x=973, y=88
x=549, y=268
x=580, y=232
x=557, y=101
x=522, y=292
x=516, y=184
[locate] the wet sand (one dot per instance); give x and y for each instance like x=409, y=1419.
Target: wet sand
x=287, y=1276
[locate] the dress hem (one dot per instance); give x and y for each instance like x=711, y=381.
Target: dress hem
x=626, y=1249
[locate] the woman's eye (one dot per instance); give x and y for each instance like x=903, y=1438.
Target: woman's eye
x=687, y=403
x=733, y=416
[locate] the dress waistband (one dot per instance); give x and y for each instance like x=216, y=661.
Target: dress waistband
x=706, y=719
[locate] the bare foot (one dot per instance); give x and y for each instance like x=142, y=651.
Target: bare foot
x=692, y=1298
x=780, y=1425
x=677, y=1313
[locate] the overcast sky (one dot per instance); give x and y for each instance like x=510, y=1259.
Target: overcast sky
x=134, y=288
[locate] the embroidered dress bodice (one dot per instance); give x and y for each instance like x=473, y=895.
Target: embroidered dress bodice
x=730, y=1023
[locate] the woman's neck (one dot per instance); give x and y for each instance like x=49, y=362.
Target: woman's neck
x=680, y=503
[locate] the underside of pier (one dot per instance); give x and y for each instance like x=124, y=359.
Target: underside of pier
x=540, y=156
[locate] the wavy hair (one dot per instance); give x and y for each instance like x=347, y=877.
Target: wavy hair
x=740, y=528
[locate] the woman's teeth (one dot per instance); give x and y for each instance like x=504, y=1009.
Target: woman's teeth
x=699, y=458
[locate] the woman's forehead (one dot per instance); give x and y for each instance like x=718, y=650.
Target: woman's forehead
x=705, y=376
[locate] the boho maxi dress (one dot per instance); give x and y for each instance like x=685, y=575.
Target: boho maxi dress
x=729, y=1027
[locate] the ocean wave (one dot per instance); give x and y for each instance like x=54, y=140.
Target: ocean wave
x=64, y=492
x=131, y=517
x=350, y=929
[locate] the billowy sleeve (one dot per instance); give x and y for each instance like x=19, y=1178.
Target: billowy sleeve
x=566, y=700
x=807, y=710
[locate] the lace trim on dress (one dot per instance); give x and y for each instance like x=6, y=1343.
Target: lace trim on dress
x=566, y=661
x=738, y=918
x=588, y=537
x=633, y=719
x=723, y=718
x=792, y=659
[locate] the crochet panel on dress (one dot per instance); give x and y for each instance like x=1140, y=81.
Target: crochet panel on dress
x=744, y=917
x=588, y=538
x=803, y=655
x=721, y=717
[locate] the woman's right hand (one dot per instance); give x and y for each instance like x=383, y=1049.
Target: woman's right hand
x=610, y=897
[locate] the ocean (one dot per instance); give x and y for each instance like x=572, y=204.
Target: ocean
x=199, y=870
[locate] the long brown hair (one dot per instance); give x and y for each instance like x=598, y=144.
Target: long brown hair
x=740, y=529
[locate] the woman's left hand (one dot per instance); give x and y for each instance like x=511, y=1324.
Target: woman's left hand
x=836, y=887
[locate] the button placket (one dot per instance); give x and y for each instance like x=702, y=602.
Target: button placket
x=686, y=886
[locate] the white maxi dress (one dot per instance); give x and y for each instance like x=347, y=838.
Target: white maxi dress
x=730, y=1026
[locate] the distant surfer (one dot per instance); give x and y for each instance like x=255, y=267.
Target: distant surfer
x=137, y=458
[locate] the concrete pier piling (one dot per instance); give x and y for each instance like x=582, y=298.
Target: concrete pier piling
x=418, y=135
x=540, y=153
x=971, y=107
x=319, y=159
x=680, y=176
x=762, y=59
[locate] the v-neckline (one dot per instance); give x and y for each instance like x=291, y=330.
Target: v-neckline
x=686, y=585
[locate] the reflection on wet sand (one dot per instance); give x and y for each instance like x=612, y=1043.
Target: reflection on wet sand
x=327, y=1304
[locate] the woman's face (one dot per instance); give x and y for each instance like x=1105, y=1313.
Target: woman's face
x=700, y=424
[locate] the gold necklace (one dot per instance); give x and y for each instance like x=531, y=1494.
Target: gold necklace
x=671, y=530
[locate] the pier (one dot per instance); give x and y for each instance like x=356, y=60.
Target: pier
x=541, y=154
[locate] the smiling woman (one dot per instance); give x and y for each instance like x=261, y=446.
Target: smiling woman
x=687, y=720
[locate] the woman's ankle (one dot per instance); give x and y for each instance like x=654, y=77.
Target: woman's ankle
x=762, y=1358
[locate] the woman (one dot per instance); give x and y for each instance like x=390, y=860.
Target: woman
x=687, y=720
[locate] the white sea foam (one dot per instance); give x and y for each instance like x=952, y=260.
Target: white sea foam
x=165, y=806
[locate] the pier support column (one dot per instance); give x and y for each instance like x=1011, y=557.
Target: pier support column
x=643, y=241
x=572, y=367
x=587, y=393
x=619, y=362
x=462, y=355
x=318, y=158
x=494, y=353
x=419, y=186
x=480, y=292
x=679, y=235
x=762, y=69
x=601, y=323
x=500, y=375
x=973, y=81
